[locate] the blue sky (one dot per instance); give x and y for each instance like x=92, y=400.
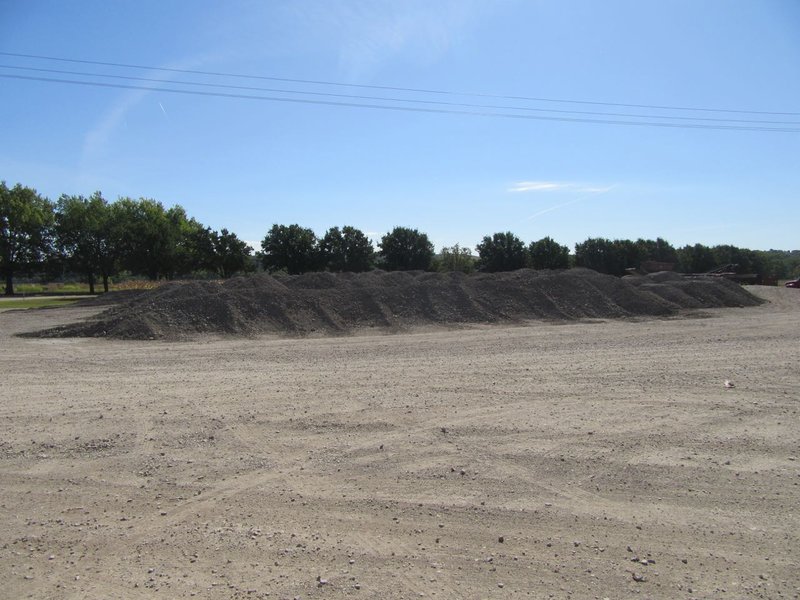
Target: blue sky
x=245, y=164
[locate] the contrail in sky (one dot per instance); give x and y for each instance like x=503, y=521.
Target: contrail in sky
x=578, y=199
x=162, y=109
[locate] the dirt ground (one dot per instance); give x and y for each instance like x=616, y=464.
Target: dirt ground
x=597, y=459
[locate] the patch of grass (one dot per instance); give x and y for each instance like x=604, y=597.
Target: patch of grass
x=29, y=288
x=137, y=284
x=52, y=288
x=22, y=303
x=73, y=288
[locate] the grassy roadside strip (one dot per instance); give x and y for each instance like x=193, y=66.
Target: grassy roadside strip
x=24, y=303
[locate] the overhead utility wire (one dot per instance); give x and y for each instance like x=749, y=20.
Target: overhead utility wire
x=385, y=99
x=394, y=88
x=398, y=108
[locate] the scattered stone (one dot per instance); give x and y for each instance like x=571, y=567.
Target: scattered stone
x=639, y=577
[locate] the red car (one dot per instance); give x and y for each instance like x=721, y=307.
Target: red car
x=795, y=283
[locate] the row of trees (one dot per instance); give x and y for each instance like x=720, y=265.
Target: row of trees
x=506, y=252
x=616, y=256
x=100, y=239
x=297, y=249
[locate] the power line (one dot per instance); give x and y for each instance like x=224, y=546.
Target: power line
x=400, y=89
x=394, y=99
x=401, y=108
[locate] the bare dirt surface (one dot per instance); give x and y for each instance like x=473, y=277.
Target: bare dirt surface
x=581, y=460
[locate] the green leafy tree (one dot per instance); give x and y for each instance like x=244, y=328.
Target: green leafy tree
x=26, y=220
x=154, y=241
x=779, y=264
x=792, y=263
x=455, y=258
x=198, y=248
x=185, y=252
x=657, y=250
x=599, y=254
x=696, y=259
x=346, y=250
x=501, y=252
x=404, y=249
x=205, y=250
x=746, y=260
x=110, y=247
x=231, y=255
x=629, y=256
x=546, y=253
x=85, y=235
x=614, y=257
x=291, y=248
x=147, y=238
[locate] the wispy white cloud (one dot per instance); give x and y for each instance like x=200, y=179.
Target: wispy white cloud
x=587, y=192
x=551, y=186
x=97, y=139
x=536, y=186
x=368, y=33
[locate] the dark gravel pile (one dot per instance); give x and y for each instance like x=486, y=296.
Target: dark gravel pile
x=326, y=303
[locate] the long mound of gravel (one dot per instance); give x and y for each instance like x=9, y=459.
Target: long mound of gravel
x=326, y=303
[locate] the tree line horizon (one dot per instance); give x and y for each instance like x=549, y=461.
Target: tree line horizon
x=96, y=240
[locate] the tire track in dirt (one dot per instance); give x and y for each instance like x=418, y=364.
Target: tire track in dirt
x=298, y=410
